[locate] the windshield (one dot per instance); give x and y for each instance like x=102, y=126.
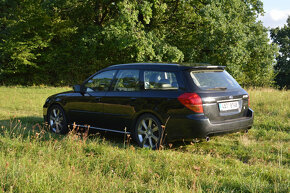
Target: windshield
x=214, y=80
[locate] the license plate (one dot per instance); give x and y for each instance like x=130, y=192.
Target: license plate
x=229, y=106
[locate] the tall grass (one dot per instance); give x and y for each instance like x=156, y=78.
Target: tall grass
x=33, y=159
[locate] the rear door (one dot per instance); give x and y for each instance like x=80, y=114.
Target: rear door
x=120, y=102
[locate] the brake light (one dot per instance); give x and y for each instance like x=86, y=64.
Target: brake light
x=248, y=100
x=192, y=101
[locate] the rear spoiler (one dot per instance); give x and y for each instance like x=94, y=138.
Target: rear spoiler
x=207, y=68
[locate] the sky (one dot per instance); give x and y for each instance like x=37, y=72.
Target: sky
x=276, y=13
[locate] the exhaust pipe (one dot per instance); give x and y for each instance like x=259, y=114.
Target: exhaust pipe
x=245, y=131
x=207, y=139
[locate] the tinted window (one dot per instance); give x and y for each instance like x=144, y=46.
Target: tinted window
x=160, y=80
x=100, y=82
x=127, y=80
x=214, y=80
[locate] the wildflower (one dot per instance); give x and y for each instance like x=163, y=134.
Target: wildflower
x=170, y=145
x=196, y=168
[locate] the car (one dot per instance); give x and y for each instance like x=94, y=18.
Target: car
x=154, y=102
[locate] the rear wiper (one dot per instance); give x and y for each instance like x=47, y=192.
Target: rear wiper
x=217, y=88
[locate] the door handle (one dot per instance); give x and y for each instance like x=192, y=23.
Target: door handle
x=133, y=98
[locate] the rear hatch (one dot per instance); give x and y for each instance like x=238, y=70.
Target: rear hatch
x=222, y=97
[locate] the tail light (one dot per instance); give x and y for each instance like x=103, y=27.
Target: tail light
x=192, y=101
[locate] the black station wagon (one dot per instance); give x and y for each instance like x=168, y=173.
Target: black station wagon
x=153, y=102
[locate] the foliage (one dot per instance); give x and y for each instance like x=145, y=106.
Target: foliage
x=281, y=36
x=35, y=160
x=60, y=42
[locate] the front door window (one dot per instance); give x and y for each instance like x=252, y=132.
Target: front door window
x=100, y=82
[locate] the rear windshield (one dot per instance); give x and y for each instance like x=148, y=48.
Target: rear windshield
x=214, y=80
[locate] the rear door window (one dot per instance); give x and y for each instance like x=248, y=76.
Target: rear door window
x=214, y=80
x=160, y=80
x=127, y=80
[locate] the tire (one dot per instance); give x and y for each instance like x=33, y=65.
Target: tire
x=56, y=119
x=148, y=131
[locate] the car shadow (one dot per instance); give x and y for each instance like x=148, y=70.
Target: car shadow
x=124, y=140
x=34, y=126
x=21, y=122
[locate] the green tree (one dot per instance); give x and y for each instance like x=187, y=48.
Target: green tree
x=281, y=36
x=224, y=32
x=23, y=36
x=62, y=41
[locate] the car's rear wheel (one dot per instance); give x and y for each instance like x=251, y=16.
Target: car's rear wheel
x=148, y=131
x=57, y=120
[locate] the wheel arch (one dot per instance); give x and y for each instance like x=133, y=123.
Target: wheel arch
x=58, y=104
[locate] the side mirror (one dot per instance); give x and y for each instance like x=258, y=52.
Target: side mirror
x=77, y=88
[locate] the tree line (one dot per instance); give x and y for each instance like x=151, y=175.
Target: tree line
x=61, y=42
x=281, y=36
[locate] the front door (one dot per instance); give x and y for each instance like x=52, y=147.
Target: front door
x=88, y=108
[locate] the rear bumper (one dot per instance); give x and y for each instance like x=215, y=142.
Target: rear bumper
x=199, y=126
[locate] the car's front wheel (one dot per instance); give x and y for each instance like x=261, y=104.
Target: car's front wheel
x=57, y=120
x=148, y=131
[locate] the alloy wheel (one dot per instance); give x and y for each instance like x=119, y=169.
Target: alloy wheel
x=148, y=133
x=56, y=119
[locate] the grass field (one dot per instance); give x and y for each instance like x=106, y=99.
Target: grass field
x=34, y=160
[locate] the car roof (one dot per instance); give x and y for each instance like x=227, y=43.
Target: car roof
x=152, y=66
x=162, y=66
